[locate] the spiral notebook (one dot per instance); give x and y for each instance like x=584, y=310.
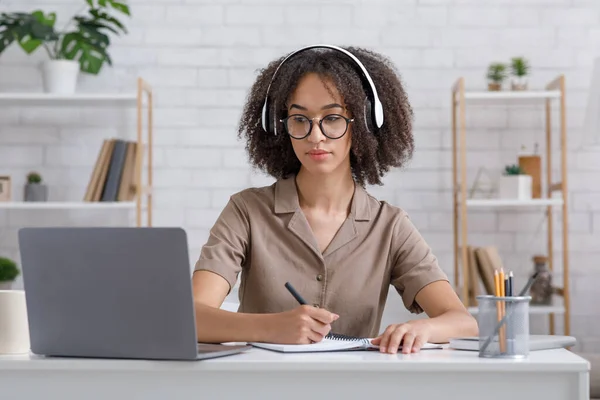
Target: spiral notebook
x=331, y=342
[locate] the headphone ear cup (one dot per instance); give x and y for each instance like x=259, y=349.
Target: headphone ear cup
x=271, y=120
x=267, y=121
x=369, y=116
x=274, y=122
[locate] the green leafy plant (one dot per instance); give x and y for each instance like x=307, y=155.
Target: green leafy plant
x=8, y=270
x=85, y=38
x=519, y=66
x=34, y=177
x=496, y=72
x=513, y=170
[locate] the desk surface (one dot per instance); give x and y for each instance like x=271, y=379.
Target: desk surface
x=557, y=360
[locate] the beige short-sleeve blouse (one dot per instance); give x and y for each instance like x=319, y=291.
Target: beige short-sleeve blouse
x=263, y=234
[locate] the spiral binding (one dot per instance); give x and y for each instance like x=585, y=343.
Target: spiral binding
x=346, y=338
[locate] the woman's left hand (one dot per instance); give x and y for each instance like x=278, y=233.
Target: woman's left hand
x=411, y=335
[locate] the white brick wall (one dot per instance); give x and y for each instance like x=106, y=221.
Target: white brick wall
x=201, y=57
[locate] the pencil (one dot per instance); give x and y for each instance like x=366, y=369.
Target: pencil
x=509, y=326
x=502, y=312
x=498, y=307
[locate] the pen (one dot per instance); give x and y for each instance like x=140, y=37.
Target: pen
x=294, y=293
x=509, y=323
x=301, y=300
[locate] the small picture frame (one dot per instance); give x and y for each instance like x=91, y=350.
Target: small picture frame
x=5, y=188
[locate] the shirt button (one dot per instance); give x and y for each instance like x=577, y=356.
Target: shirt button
x=319, y=277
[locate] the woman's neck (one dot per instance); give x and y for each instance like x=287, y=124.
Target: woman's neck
x=330, y=194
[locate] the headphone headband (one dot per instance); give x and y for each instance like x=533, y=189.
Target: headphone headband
x=377, y=106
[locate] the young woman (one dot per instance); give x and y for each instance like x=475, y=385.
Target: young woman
x=324, y=122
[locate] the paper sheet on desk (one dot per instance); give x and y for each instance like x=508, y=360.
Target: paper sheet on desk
x=328, y=345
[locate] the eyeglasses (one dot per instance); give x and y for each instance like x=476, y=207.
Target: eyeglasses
x=333, y=126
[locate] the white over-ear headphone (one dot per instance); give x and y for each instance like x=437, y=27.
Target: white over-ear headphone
x=373, y=106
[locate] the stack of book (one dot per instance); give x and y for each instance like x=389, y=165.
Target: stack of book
x=113, y=176
x=483, y=261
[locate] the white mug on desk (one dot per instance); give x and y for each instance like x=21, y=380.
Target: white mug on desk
x=14, y=328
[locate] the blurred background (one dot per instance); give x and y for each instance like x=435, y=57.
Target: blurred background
x=198, y=59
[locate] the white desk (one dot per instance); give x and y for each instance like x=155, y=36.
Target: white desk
x=261, y=374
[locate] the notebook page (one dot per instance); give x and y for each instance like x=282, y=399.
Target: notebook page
x=331, y=344
x=324, y=345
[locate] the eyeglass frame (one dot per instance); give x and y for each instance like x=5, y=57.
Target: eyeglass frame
x=310, y=121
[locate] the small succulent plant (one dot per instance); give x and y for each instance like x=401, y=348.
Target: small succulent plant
x=34, y=177
x=513, y=170
x=519, y=66
x=8, y=270
x=496, y=72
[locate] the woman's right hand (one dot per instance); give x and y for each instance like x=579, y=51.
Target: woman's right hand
x=302, y=325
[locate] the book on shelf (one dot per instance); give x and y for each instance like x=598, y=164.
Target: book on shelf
x=482, y=262
x=113, y=176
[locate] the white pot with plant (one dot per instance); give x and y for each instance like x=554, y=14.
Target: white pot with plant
x=519, y=70
x=81, y=46
x=496, y=75
x=514, y=184
x=14, y=327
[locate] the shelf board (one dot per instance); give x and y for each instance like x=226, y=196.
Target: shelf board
x=533, y=309
x=507, y=95
x=81, y=99
x=514, y=202
x=48, y=205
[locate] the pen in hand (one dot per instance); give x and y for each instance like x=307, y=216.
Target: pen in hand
x=294, y=293
x=301, y=300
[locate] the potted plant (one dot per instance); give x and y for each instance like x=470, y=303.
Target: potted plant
x=35, y=190
x=80, y=46
x=496, y=75
x=520, y=70
x=8, y=272
x=514, y=184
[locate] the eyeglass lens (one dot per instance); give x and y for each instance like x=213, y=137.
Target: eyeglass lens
x=332, y=125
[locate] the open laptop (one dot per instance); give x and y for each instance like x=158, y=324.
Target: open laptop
x=111, y=292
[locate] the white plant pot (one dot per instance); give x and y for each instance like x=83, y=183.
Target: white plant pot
x=14, y=326
x=60, y=76
x=515, y=187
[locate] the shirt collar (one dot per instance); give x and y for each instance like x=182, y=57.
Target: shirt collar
x=286, y=199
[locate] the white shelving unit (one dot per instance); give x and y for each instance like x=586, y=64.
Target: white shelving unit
x=87, y=99
x=512, y=95
x=512, y=203
x=136, y=100
x=554, y=91
x=66, y=205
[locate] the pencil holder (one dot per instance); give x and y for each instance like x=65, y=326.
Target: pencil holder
x=503, y=326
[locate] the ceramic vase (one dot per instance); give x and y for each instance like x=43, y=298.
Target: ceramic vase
x=515, y=187
x=60, y=76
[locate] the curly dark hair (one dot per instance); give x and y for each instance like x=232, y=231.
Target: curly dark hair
x=371, y=155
